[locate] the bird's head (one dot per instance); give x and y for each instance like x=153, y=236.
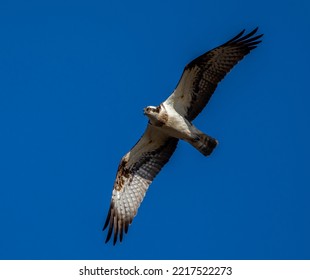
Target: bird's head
x=152, y=113
x=151, y=110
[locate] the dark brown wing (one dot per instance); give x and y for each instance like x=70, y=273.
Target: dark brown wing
x=136, y=172
x=201, y=76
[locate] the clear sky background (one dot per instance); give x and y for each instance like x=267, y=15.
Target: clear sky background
x=74, y=77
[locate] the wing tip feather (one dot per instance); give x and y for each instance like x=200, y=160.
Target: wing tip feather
x=116, y=225
x=246, y=39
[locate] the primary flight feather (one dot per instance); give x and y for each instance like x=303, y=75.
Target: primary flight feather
x=169, y=122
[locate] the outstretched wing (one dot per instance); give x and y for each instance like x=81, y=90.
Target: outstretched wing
x=135, y=173
x=201, y=76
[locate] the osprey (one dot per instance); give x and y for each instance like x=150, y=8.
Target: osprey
x=169, y=122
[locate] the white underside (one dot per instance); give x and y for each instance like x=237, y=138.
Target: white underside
x=177, y=126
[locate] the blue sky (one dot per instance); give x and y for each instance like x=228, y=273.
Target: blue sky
x=74, y=79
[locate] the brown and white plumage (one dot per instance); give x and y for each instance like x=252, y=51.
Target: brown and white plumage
x=201, y=76
x=169, y=122
x=135, y=173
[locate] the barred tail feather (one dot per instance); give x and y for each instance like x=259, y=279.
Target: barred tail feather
x=204, y=143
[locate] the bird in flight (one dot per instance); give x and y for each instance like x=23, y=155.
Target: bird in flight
x=169, y=122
